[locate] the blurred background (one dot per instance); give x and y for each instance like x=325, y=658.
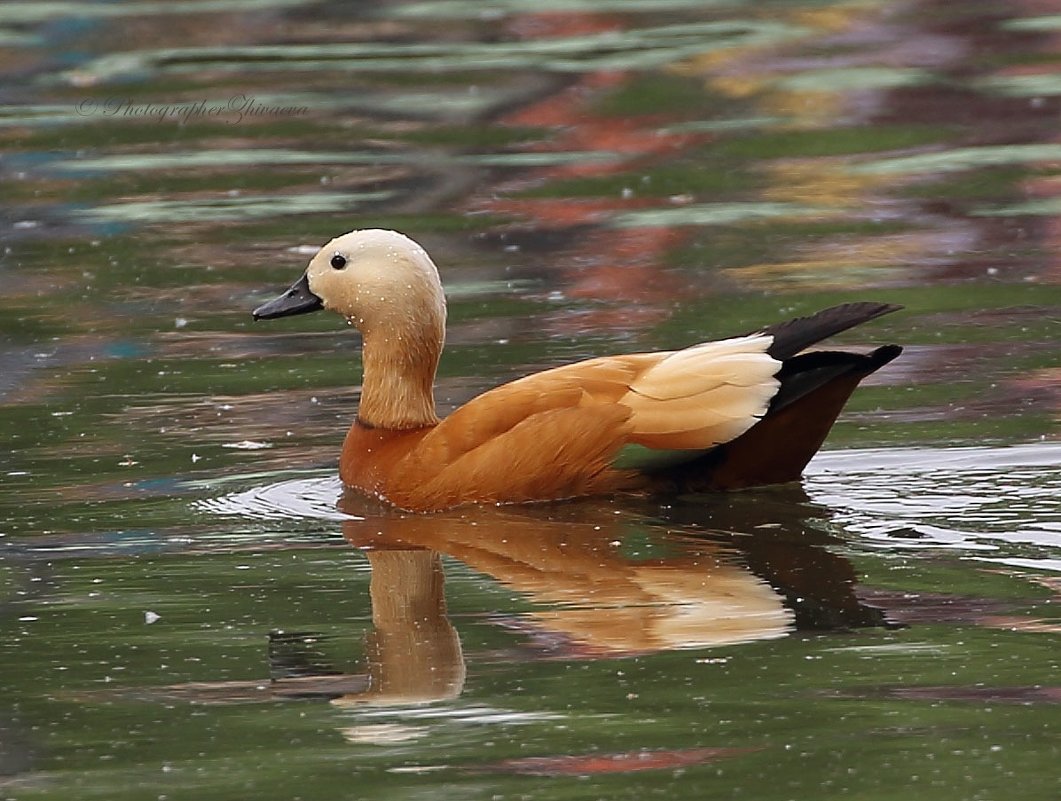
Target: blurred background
x=590, y=177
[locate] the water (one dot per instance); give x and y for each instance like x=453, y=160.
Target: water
x=190, y=607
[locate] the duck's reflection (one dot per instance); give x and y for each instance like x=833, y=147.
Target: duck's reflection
x=604, y=580
x=413, y=651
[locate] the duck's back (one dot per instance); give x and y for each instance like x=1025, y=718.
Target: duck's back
x=557, y=434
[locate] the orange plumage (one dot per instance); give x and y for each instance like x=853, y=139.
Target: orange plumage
x=748, y=410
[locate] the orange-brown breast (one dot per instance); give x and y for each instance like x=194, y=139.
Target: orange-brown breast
x=370, y=455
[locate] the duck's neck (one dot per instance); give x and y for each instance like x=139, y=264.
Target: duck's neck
x=397, y=387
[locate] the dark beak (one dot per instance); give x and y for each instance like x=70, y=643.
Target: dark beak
x=297, y=300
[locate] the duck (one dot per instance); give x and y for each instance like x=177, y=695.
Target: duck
x=746, y=411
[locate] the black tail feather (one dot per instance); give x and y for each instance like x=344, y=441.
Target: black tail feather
x=792, y=336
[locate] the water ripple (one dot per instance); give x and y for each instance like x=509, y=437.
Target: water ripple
x=999, y=500
x=978, y=499
x=312, y=498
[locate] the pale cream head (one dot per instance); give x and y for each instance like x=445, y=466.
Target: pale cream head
x=378, y=280
x=387, y=286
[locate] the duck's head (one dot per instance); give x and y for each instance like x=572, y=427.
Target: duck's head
x=380, y=281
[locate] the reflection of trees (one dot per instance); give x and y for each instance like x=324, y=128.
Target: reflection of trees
x=869, y=81
x=874, y=82
x=848, y=89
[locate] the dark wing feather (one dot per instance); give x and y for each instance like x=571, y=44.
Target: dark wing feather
x=802, y=374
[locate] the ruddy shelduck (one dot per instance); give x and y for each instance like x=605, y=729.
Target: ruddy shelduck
x=738, y=412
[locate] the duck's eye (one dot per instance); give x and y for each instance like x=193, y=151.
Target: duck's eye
x=338, y=261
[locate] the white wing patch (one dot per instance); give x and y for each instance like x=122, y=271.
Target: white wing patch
x=703, y=395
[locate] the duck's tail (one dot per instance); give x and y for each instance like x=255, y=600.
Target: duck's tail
x=814, y=388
